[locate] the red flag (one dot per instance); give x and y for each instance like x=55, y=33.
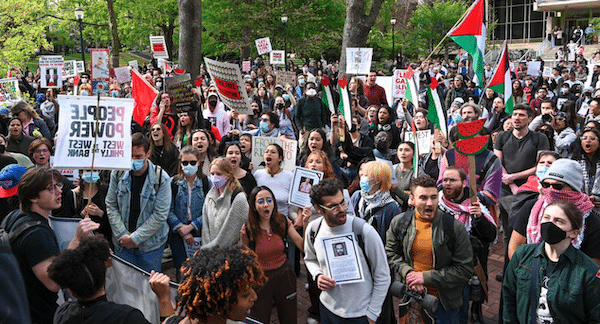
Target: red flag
x=143, y=94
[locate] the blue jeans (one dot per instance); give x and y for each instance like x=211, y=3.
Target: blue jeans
x=443, y=316
x=178, y=250
x=464, y=309
x=148, y=261
x=328, y=317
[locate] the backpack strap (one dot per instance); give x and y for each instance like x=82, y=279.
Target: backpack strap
x=174, y=188
x=8, y=234
x=158, y=170
x=448, y=225
x=403, y=228
x=235, y=192
x=313, y=233
x=205, y=186
x=357, y=228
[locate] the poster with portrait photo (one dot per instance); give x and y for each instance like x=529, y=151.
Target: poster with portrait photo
x=342, y=258
x=100, y=63
x=79, y=67
x=304, y=179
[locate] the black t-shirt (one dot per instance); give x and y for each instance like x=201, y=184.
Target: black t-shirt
x=6, y=160
x=137, y=183
x=520, y=154
x=99, y=310
x=32, y=247
x=591, y=234
x=12, y=285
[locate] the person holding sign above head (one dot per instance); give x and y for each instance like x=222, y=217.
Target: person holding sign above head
x=267, y=232
x=138, y=204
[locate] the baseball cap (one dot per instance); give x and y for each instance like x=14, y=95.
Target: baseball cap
x=9, y=179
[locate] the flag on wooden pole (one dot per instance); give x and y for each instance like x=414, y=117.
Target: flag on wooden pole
x=470, y=35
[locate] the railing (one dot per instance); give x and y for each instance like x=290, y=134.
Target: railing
x=544, y=46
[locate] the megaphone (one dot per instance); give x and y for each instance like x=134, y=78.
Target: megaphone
x=400, y=290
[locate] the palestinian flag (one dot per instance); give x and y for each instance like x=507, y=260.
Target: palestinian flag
x=344, y=107
x=501, y=82
x=412, y=90
x=470, y=35
x=435, y=112
x=327, y=98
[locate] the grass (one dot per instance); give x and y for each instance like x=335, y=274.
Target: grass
x=124, y=59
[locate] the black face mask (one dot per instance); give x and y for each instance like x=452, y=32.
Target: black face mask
x=2, y=148
x=279, y=106
x=353, y=128
x=213, y=103
x=552, y=234
x=381, y=145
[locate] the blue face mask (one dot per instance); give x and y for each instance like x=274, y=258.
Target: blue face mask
x=114, y=93
x=84, y=93
x=137, y=165
x=90, y=177
x=365, y=187
x=264, y=127
x=286, y=97
x=541, y=171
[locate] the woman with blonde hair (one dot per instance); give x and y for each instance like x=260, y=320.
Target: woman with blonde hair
x=225, y=208
x=30, y=120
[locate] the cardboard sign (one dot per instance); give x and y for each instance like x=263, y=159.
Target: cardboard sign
x=284, y=77
x=533, y=68
x=399, y=83
x=180, y=89
x=77, y=124
x=51, y=71
x=358, y=60
x=260, y=144
x=69, y=69
x=277, y=57
x=423, y=140
x=228, y=80
x=246, y=66
x=159, y=47
x=79, y=67
x=123, y=75
x=263, y=45
x=100, y=62
x=9, y=92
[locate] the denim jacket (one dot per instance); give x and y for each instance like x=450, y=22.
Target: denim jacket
x=152, y=228
x=178, y=215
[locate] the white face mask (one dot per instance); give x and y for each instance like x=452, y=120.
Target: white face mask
x=311, y=92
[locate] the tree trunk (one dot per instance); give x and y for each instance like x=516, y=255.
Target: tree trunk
x=168, y=32
x=357, y=26
x=190, y=36
x=116, y=42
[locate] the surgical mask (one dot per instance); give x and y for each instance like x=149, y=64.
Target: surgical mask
x=305, y=69
x=311, y=92
x=264, y=127
x=189, y=170
x=301, y=81
x=84, y=93
x=137, y=165
x=84, y=80
x=158, y=85
x=115, y=93
x=541, y=171
x=551, y=233
x=286, y=97
x=564, y=90
x=218, y=181
x=34, y=85
x=90, y=177
x=365, y=187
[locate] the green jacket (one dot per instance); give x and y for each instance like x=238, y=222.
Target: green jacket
x=573, y=289
x=451, y=269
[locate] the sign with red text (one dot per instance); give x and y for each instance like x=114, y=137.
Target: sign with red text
x=277, y=57
x=228, y=80
x=246, y=66
x=260, y=144
x=399, y=83
x=263, y=45
x=159, y=47
x=78, y=128
x=51, y=71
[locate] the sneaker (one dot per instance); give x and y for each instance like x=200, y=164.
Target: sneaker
x=311, y=320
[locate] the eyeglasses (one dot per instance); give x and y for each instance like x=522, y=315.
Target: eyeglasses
x=591, y=138
x=335, y=207
x=263, y=201
x=54, y=187
x=42, y=151
x=560, y=119
x=555, y=186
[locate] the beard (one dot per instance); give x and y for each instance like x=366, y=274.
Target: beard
x=452, y=193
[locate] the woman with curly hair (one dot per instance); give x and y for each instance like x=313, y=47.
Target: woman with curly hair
x=217, y=285
x=267, y=232
x=82, y=271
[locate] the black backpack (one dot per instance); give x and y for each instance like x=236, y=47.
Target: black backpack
x=8, y=234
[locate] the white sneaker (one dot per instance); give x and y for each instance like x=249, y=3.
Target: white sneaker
x=311, y=320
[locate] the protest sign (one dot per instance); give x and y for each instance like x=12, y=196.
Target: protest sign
x=399, y=83
x=68, y=69
x=246, y=66
x=99, y=60
x=277, y=57
x=342, y=258
x=263, y=45
x=134, y=64
x=358, y=60
x=303, y=181
x=99, y=87
x=190, y=249
x=423, y=140
x=284, y=77
x=77, y=124
x=51, y=71
x=79, y=67
x=533, y=68
x=159, y=47
x=386, y=83
x=228, y=79
x=9, y=91
x=260, y=144
x=180, y=89
x=547, y=71
x=123, y=75
x=64, y=228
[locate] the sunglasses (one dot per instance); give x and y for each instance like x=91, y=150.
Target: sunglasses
x=185, y=163
x=555, y=186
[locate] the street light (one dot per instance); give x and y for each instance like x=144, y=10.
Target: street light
x=393, y=22
x=79, y=16
x=284, y=19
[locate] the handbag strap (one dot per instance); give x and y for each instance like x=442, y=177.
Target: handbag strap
x=533, y=295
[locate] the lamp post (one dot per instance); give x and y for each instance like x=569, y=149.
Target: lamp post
x=393, y=22
x=79, y=16
x=284, y=19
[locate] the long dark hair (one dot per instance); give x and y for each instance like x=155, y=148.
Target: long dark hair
x=277, y=220
x=569, y=108
x=168, y=144
x=326, y=146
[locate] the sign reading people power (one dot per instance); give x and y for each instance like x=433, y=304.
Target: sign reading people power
x=77, y=124
x=228, y=79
